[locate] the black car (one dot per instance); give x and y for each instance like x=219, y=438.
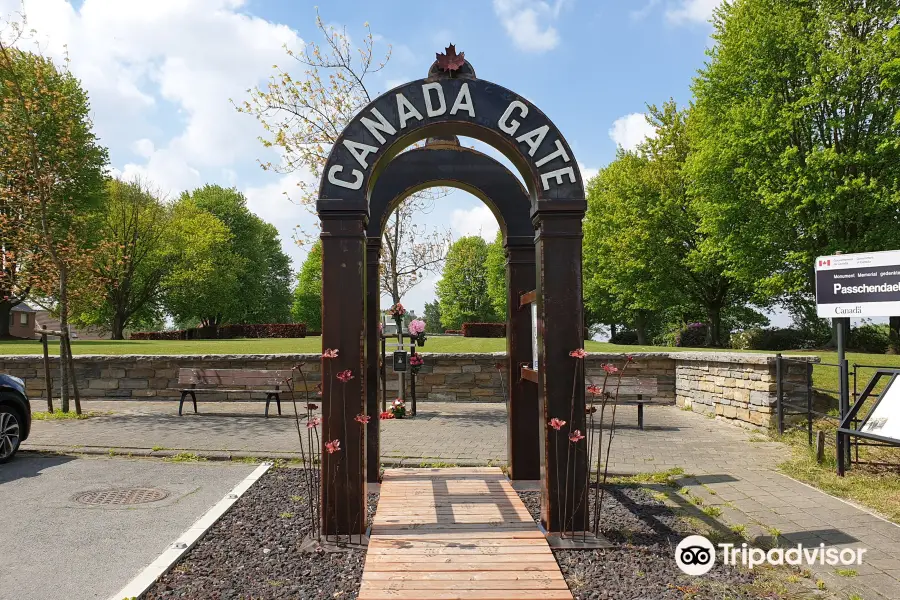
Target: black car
x=15, y=416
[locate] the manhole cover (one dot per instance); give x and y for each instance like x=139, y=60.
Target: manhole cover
x=119, y=497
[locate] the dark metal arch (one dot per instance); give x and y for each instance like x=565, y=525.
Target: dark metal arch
x=504, y=194
x=490, y=102
x=364, y=151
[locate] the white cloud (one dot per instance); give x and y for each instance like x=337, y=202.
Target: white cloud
x=644, y=11
x=474, y=221
x=160, y=75
x=692, y=11
x=529, y=23
x=587, y=173
x=629, y=131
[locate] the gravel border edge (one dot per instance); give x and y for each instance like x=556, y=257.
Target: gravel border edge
x=165, y=561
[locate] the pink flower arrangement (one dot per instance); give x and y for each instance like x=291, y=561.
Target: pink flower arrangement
x=386, y=415
x=609, y=368
x=345, y=376
x=333, y=446
x=576, y=436
x=398, y=409
x=579, y=353
x=397, y=310
x=416, y=327
x=416, y=360
x=556, y=423
x=330, y=353
x=594, y=390
x=313, y=423
x=362, y=419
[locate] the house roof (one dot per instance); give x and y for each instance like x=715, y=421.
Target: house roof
x=22, y=307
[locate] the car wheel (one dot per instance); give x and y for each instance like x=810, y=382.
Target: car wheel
x=10, y=433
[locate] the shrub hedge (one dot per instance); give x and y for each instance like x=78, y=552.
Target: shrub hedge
x=484, y=330
x=692, y=336
x=227, y=332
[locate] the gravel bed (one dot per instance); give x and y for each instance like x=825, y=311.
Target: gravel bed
x=642, y=565
x=252, y=552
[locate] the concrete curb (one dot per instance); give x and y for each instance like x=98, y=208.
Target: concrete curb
x=224, y=455
x=159, y=567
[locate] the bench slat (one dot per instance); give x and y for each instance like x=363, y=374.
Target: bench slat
x=233, y=377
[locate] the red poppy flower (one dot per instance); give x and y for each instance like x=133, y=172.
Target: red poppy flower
x=580, y=353
x=333, y=446
x=594, y=390
x=629, y=358
x=610, y=368
x=556, y=423
x=576, y=436
x=345, y=376
x=330, y=353
x=362, y=419
x=313, y=423
x=386, y=415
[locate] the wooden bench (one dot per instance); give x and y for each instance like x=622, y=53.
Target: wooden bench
x=272, y=383
x=637, y=390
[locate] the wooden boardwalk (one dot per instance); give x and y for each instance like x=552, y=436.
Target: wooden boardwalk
x=456, y=534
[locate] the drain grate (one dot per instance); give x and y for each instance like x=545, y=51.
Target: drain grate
x=120, y=497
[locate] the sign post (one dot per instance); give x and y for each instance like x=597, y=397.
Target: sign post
x=855, y=285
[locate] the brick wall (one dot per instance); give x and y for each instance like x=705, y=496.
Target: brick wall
x=731, y=385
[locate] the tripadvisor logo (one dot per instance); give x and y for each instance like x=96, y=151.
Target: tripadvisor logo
x=696, y=555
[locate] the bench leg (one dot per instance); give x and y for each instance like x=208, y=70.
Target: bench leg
x=278, y=403
x=268, y=399
x=194, y=398
x=640, y=416
x=181, y=402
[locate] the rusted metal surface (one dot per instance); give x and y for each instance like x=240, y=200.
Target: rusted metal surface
x=527, y=298
x=373, y=300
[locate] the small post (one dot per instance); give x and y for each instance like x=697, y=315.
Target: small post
x=383, y=373
x=809, y=408
x=48, y=381
x=839, y=442
x=820, y=446
x=412, y=380
x=779, y=393
x=68, y=341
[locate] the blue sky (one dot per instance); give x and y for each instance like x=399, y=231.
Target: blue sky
x=161, y=73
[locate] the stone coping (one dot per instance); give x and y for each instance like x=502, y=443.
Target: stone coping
x=693, y=356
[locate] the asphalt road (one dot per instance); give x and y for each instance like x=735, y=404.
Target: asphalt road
x=57, y=548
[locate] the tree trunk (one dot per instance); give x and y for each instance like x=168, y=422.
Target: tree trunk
x=640, y=326
x=612, y=331
x=714, y=326
x=118, y=327
x=5, y=312
x=63, y=352
x=894, y=335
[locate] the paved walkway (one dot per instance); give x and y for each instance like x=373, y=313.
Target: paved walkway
x=729, y=470
x=467, y=536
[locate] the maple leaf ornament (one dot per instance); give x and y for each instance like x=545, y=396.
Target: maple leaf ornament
x=451, y=61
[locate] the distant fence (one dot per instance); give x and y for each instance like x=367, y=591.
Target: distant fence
x=227, y=332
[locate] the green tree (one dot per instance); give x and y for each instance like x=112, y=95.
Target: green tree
x=433, y=317
x=462, y=290
x=795, y=150
x=495, y=264
x=51, y=170
x=205, y=278
x=307, y=307
x=132, y=265
x=264, y=294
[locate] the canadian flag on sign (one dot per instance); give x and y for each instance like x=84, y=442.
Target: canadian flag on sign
x=826, y=263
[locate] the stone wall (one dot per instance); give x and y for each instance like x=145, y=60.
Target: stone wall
x=735, y=386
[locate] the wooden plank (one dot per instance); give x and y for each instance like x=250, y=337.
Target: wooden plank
x=466, y=595
x=457, y=576
x=496, y=584
x=529, y=374
x=460, y=534
x=527, y=298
